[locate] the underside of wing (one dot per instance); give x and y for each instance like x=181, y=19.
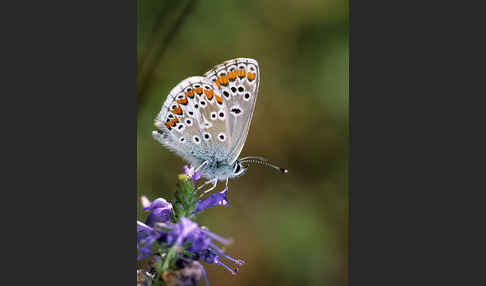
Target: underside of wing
x=192, y=121
x=237, y=81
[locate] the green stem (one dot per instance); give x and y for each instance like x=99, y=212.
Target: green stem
x=170, y=255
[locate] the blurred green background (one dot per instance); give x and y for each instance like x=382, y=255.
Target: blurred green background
x=290, y=229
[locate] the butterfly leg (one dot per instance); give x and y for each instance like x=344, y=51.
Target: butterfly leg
x=200, y=166
x=205, y=184
x=213, y=181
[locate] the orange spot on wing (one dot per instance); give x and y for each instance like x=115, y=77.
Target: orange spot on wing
x=189, y=93
x=241, y=73
x=251, y=76
x=218, y=99
x=182, y=101
x=177, y=110
x=223, y=80
x=198, y=90
x=232, y=75
x=209, y=93
x=173, y=121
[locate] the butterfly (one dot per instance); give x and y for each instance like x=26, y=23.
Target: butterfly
x=205, y=120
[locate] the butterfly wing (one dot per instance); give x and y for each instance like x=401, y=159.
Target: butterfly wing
x=237, y=81
x=192, y=122
x=207, y=118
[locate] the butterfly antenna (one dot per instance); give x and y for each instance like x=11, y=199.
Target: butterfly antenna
x=262, y=161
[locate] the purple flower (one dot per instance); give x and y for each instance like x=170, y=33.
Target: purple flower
x=217, y=199
x=184, y=239
x=213, y=256
x=181, y=232
x=186, y=231
x=160, y=210
x=146, y=236
x=191, y=172
x=201, y=243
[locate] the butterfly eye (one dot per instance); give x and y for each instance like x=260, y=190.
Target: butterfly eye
x=182, y=139
x=241, y=88
x=188, y=89
x=247, y=96
x=213, y=115
x=233, y=89
x=196, y=139
x=188, y=122
x=197, y=86
x=203, y=103
x=206, y=87
x=237, y=168
x=221, y=115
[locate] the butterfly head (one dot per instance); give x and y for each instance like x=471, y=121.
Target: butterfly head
x=238, y=169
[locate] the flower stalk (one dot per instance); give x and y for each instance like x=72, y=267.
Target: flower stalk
x=186, y=200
